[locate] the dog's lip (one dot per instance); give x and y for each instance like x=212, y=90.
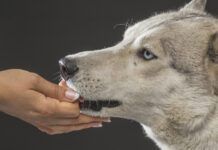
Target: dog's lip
x=97, y=105
x=72, y=86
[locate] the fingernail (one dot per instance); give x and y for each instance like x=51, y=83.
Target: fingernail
x=107, y=120
x=69, y=94
x=96, y=125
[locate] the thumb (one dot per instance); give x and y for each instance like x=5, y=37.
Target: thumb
x=55, y=91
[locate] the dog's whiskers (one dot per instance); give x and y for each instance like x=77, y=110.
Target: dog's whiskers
x=126, y=25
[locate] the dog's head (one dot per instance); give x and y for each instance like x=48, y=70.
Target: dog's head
x=165, y=66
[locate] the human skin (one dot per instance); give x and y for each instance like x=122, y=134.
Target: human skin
x=50, y=108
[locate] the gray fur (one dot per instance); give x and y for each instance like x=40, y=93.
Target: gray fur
x=174, y=97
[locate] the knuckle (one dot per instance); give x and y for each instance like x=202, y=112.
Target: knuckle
x=75, y=121
x=41, y=129
x=76, y=113
x=50, y=132
x=46, y=130
x=70, y=129
x=54, y=131
x=39, y=123
x=35, y=78
x=73, y=110
x=45, y=112
x=58, y=92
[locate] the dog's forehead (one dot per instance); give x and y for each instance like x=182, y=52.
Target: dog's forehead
x=142, y=26
x=159, y=21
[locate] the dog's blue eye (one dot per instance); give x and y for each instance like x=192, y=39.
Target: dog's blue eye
x=148, y=55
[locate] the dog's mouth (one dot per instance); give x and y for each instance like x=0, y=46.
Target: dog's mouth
x=97, y=105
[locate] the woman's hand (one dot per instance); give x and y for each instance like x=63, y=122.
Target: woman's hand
x=49, y=107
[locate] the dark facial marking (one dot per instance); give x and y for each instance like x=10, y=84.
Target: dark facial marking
x=212, y=51
x=174, y=64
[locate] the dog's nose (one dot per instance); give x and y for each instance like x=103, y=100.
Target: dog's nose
x=68, y=68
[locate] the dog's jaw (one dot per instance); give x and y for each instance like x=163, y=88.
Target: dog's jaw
x=106, y=106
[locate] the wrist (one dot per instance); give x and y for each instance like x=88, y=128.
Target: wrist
x=2, y=101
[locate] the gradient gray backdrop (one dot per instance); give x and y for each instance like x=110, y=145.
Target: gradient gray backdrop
x=34, y=34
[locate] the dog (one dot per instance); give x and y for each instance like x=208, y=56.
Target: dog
x=163, y=74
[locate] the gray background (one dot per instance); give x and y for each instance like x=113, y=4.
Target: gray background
x=34, y=34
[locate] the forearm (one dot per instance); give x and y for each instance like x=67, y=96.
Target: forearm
x=1, y=101
x=3, y=97
x=1, y=93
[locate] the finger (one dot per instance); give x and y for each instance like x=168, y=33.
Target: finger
x=55, y=108
x=88, y=119
x=82, y=119
x=66, y=129
x=46, y=107
x=52, y=90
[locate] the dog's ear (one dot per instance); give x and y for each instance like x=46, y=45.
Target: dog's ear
x=213, y=48
x=198, y=5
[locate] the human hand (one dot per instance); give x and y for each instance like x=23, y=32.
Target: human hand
x=47, y=106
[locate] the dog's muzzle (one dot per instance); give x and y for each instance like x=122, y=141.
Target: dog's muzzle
x=68, y=69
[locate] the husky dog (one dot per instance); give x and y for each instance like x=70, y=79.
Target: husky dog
x=163, y=74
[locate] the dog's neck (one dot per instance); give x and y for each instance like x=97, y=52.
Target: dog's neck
x=171, y=137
